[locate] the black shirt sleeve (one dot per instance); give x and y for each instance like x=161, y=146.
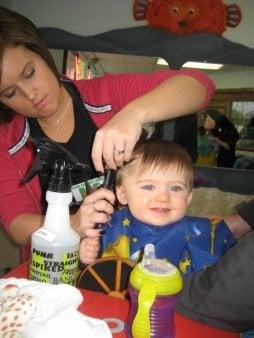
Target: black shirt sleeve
x=222, y=296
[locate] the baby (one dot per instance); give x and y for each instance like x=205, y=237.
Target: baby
x=155, y=189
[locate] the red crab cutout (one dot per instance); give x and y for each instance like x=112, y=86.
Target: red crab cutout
x=184, y=17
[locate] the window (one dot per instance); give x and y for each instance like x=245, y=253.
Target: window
x=242, y=115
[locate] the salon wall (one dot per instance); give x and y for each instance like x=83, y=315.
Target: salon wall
x=88, y=17
x=238, y=79
x=223, y=80
x=6, y=3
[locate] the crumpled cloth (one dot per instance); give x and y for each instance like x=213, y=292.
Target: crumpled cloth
x=56, y=314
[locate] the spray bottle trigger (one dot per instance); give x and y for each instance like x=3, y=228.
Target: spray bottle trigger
x=35, y=169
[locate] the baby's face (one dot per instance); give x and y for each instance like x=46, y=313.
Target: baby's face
x=156, y=197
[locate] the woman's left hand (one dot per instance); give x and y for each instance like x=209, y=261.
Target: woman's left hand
x=214, y=139
x=174, y=97
x=114, y=142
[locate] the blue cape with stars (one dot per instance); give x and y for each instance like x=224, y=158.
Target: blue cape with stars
x=191, y=244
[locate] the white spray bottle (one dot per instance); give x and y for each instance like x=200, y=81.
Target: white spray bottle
x=55, y=246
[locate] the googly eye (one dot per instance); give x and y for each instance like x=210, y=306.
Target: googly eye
x=175, y=9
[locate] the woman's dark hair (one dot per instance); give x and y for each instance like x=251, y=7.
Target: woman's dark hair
x=223, y=124
x=17, y=30
x=201, y=130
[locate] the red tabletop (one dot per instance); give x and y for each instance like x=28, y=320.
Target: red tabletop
x=114, y=310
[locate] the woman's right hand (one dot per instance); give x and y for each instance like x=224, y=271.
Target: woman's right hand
x=89, y=249
x=95, y=209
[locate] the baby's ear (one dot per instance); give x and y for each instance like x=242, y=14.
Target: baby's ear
x=121, y=195
x=189, y=198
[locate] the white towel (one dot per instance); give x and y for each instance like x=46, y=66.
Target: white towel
x=54, y=311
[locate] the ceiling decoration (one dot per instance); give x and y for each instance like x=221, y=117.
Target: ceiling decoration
x=184, y=17
x=147, y=41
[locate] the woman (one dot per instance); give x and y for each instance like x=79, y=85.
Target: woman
x=70, y=112
x=225, y=136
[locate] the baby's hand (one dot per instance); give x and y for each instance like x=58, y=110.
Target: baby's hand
x=89, y=247
x=95, y=209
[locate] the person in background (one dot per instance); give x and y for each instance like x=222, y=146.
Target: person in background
x=207, y=150
x=98, y=120
x=155, y=189
x=225, y=136
x=222, y=296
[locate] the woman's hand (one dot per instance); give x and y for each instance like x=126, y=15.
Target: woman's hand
x=115, y=141
x=95, y=209
x=89, y=248
x=235, y=223
x=217, y=141
x=174, y=97
x=237, y=226
x=214, y=139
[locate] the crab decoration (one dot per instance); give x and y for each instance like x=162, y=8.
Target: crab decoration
x=184, y=17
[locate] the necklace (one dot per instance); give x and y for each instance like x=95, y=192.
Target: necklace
x=56, y=123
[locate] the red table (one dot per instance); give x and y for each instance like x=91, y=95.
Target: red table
x=101, y=306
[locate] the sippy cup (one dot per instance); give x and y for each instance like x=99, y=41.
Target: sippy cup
x=154, y=288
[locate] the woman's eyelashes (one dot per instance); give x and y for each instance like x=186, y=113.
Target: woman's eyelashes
x=29, y=74
x=10, y=94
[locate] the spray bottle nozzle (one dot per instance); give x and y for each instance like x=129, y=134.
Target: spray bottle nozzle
x=149, y=254
x=60, y=180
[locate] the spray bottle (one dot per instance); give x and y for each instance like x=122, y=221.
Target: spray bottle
x=55, y=246
x=154, y=288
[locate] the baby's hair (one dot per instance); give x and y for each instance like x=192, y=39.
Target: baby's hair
x=161, y=154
